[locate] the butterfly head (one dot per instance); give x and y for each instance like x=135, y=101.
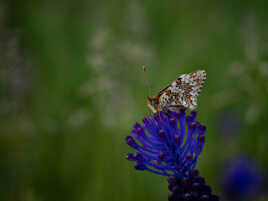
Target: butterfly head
x=152, y=103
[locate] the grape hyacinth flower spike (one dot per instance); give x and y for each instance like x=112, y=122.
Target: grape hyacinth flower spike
x=169, y=144
x=242, y=179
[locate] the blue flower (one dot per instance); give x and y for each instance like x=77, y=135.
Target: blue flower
x=164, y=147
x=242, y=179
x=169, y=144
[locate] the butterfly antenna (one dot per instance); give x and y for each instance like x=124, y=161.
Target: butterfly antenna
x=144, y=69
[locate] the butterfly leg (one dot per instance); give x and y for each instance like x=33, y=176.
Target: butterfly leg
x=158, y=112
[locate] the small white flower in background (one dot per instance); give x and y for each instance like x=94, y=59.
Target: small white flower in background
x=111, y=56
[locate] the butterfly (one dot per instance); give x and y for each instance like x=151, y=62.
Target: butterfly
x=180, y=94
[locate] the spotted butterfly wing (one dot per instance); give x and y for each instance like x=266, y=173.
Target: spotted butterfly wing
x=181, y=93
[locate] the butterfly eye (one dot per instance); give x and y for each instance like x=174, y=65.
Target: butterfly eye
x=153, y=102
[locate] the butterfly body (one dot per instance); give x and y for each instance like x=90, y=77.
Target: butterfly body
x=181, y=93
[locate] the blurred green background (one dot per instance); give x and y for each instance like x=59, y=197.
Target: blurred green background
x=71, y=88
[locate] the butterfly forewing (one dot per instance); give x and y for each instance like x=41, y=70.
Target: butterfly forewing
x=183, y=92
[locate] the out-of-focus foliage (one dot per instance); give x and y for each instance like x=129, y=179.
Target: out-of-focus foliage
x=71, y=87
